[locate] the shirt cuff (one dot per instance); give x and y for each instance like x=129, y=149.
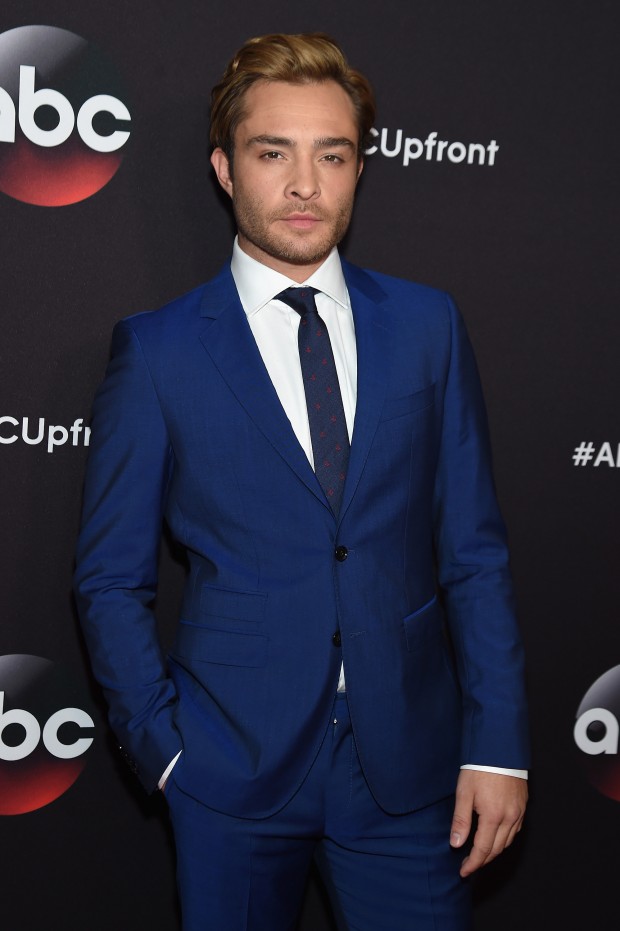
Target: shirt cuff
x=519, y=773
x=168, y=770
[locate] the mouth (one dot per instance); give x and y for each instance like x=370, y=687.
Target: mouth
x=301, y=221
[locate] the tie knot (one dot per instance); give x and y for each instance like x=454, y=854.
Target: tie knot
x=300, y=299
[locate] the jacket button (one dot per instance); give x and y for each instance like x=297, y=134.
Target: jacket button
x=341, y=553
x=336, y=640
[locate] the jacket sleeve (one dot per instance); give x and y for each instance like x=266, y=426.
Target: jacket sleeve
x=129, y=469
x=474, y=573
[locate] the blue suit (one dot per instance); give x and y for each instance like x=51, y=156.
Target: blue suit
x=409, y=585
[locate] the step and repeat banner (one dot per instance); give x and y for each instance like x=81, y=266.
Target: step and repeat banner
x=492, y=174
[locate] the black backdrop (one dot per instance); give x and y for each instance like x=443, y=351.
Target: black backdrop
x=526, y=241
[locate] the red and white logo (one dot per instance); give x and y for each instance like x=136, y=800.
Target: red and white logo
x=44, y=733
x=63, y=124
x=597, y=733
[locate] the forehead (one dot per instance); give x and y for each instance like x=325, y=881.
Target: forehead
x=280, y=108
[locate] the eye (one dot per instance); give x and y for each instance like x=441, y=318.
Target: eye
x=333, y=159
x=272, y=156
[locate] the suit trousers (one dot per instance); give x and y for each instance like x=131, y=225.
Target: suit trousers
x=382, y=872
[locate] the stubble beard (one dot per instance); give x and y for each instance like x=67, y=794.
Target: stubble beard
x=258, y=228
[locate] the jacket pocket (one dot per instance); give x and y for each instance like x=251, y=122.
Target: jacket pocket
x=223, y=647
x=233, y=605
x=408, y=404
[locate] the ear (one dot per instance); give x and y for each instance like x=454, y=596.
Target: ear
x=220, y=163
x=360, y=169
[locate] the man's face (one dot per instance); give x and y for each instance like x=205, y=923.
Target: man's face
x=295, y=171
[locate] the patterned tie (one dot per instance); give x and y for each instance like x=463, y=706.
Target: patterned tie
x=328, y=427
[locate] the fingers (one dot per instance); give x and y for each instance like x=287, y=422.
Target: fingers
x=490, y=840
x=461, y=820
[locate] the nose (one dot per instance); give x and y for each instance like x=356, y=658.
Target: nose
x=303, y=183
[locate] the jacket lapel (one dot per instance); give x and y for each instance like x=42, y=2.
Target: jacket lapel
x=229, y=342
x=373, y=341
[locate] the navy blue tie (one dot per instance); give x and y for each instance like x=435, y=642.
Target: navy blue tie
x=328, y=426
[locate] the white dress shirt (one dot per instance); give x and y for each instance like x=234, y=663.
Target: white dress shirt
x=274, y=326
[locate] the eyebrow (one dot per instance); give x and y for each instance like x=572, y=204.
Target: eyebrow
x=324, y=142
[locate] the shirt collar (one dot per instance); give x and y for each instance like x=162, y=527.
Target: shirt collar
x=257, y=284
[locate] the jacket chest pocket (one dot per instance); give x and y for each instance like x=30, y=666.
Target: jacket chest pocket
x=408, y=404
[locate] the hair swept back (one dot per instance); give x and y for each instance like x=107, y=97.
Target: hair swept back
x=297, y=59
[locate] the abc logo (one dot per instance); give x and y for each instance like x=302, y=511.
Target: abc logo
x=63, y=124
x=44, y=733
x=597, y=733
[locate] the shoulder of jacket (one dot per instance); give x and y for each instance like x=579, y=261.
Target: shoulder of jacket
x=394, y=286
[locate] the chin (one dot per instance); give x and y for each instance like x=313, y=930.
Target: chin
x=300, y=255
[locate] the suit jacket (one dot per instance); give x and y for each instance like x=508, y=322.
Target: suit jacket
x=409, y=586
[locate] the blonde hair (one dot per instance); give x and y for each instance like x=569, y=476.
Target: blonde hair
x=297, y=59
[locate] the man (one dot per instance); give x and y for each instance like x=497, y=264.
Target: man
x=321, y=453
